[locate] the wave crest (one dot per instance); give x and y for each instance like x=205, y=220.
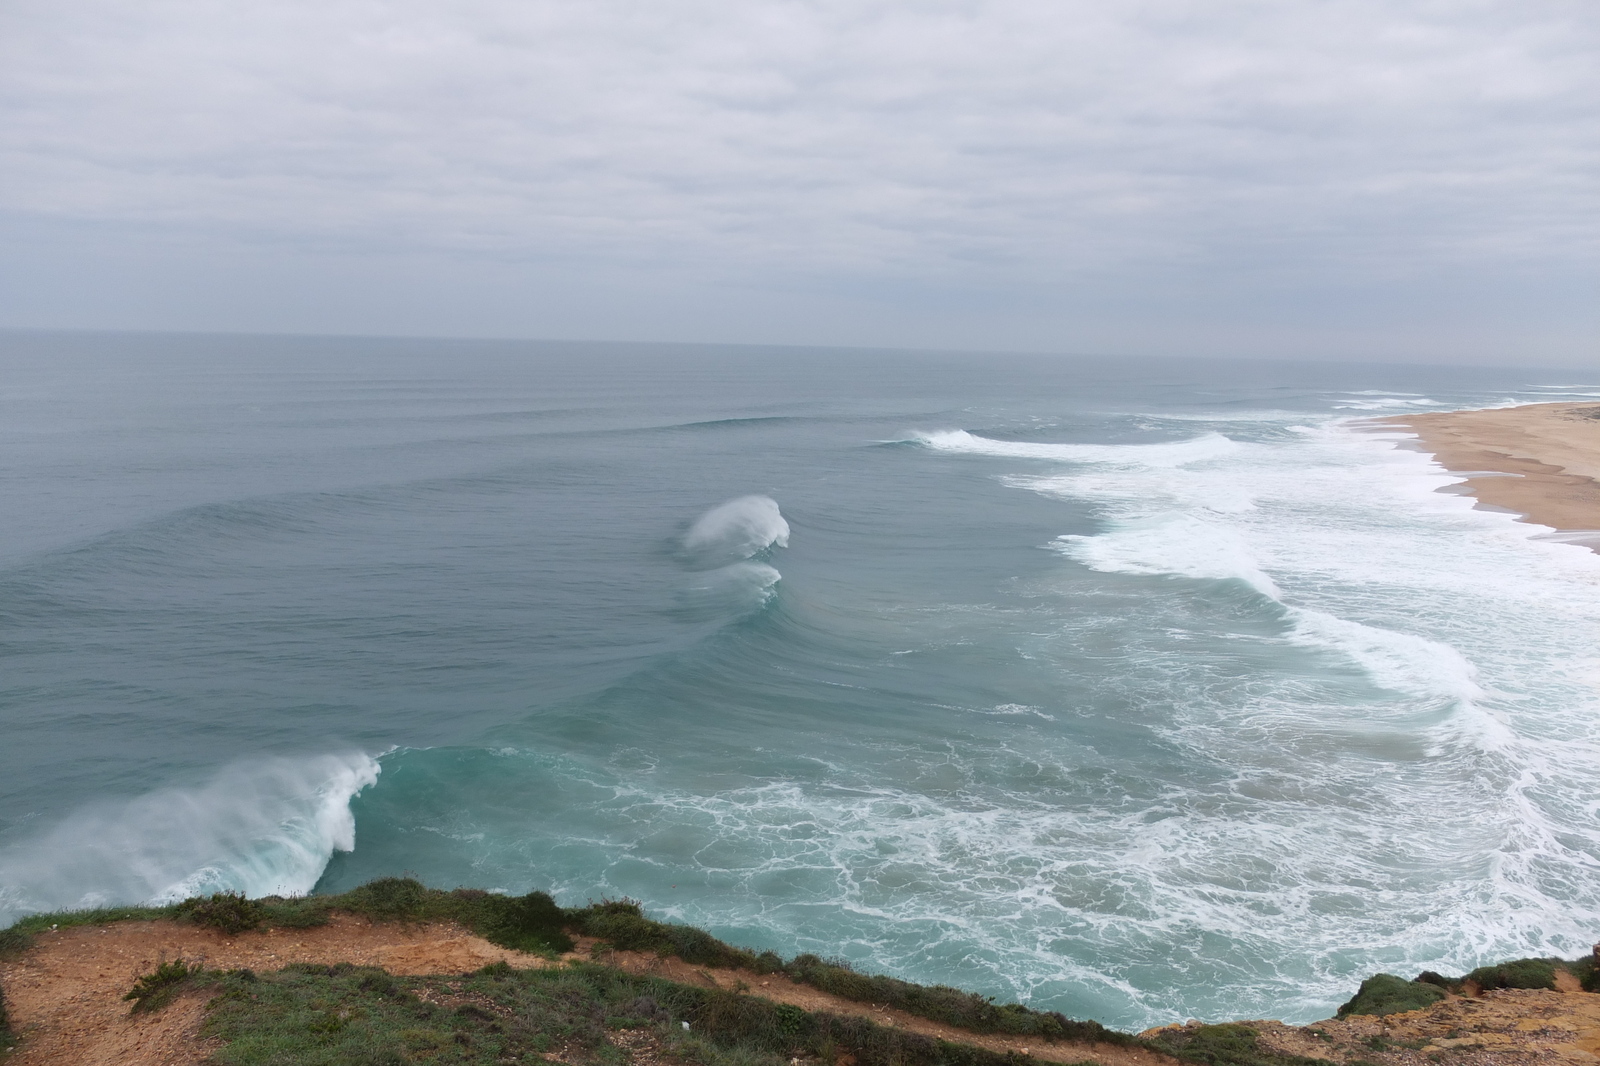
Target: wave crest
x=1168, y=454
x=735, y=530
x=261, y=828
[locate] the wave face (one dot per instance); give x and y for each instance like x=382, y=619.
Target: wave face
x=262, y=828
x=1137, y=690
x=721, y=545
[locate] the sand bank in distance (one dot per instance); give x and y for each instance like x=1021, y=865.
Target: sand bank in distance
x=1541, y=460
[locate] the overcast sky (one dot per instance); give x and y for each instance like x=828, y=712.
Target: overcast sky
x=1398, y=178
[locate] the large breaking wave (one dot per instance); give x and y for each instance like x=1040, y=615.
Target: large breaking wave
x=266, y=827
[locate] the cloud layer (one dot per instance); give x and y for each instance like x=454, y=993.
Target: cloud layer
x=1012, y=145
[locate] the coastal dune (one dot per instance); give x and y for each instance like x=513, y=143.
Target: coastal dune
x=1540, y=461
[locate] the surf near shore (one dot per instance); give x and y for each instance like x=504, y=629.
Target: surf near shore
x=1541, y=461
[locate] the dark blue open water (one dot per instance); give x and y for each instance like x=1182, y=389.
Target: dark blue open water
x=1138, y=690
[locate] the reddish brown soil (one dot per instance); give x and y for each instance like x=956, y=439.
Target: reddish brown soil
x=65, y=994
x=65, y=997
x=782, y=990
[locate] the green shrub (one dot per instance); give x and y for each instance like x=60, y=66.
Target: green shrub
x=1385, y=993
x=387, y=899
x=1428, y=977
x=1226, y=1045
x=523, y=923
x=13, y=942
x=155, y=989
x=622, y=924
x=952, y=1006
x=300, y=912
x=1521, y=973
x=347, y=1015
x=228, y=912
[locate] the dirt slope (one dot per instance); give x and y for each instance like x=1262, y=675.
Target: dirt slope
x=65, y=994
x=1509, y=1027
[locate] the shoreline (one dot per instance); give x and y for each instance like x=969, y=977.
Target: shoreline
x=1539, y=461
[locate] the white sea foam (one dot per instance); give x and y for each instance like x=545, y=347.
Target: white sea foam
x=1401, y=662
x=1374, y=400
x=740, y=585
x=721, y=546
x=262, y=827
x=737, y=529
x=1172, y=454
x=1455, y=787
x=1179, y=544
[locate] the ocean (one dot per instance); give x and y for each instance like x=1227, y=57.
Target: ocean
x=1140, y=690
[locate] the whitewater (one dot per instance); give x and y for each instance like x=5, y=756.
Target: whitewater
x=1136, y=690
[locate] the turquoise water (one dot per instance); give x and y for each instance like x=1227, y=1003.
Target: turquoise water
x=1137, y=690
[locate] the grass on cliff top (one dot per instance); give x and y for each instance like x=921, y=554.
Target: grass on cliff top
x=6, y=1037
x=585, y=1015
x=1233, y=1044
x=621, y=924
x=534, y=923
x=531, y=923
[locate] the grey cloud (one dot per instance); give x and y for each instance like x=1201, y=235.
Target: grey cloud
x=952, y=144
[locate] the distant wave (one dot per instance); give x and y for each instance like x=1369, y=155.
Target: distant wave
x=1168, y=454
x=736, y=423
x=262, y=827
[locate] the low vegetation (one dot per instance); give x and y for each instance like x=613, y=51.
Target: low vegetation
x=19, y=937
x=156, y=989
x=590, y=1013
x=347, y=1015
x=1532, y=973
x=6, y=1039
x=1225, y=1045
x=622, y=925
x=531, y=923
x=1385, y=993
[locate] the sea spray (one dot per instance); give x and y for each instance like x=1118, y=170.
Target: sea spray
x=720, y=548
x=735, y=530
x=263, y=827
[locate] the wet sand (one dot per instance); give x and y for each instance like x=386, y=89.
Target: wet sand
x=1541, y=461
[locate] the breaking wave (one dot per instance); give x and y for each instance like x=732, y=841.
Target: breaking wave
x=737, y=529
x=261, y=828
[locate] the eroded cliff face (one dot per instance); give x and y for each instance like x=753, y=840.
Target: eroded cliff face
x=1506, y=1027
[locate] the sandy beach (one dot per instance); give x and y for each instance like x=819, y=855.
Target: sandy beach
x=1541, y=461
